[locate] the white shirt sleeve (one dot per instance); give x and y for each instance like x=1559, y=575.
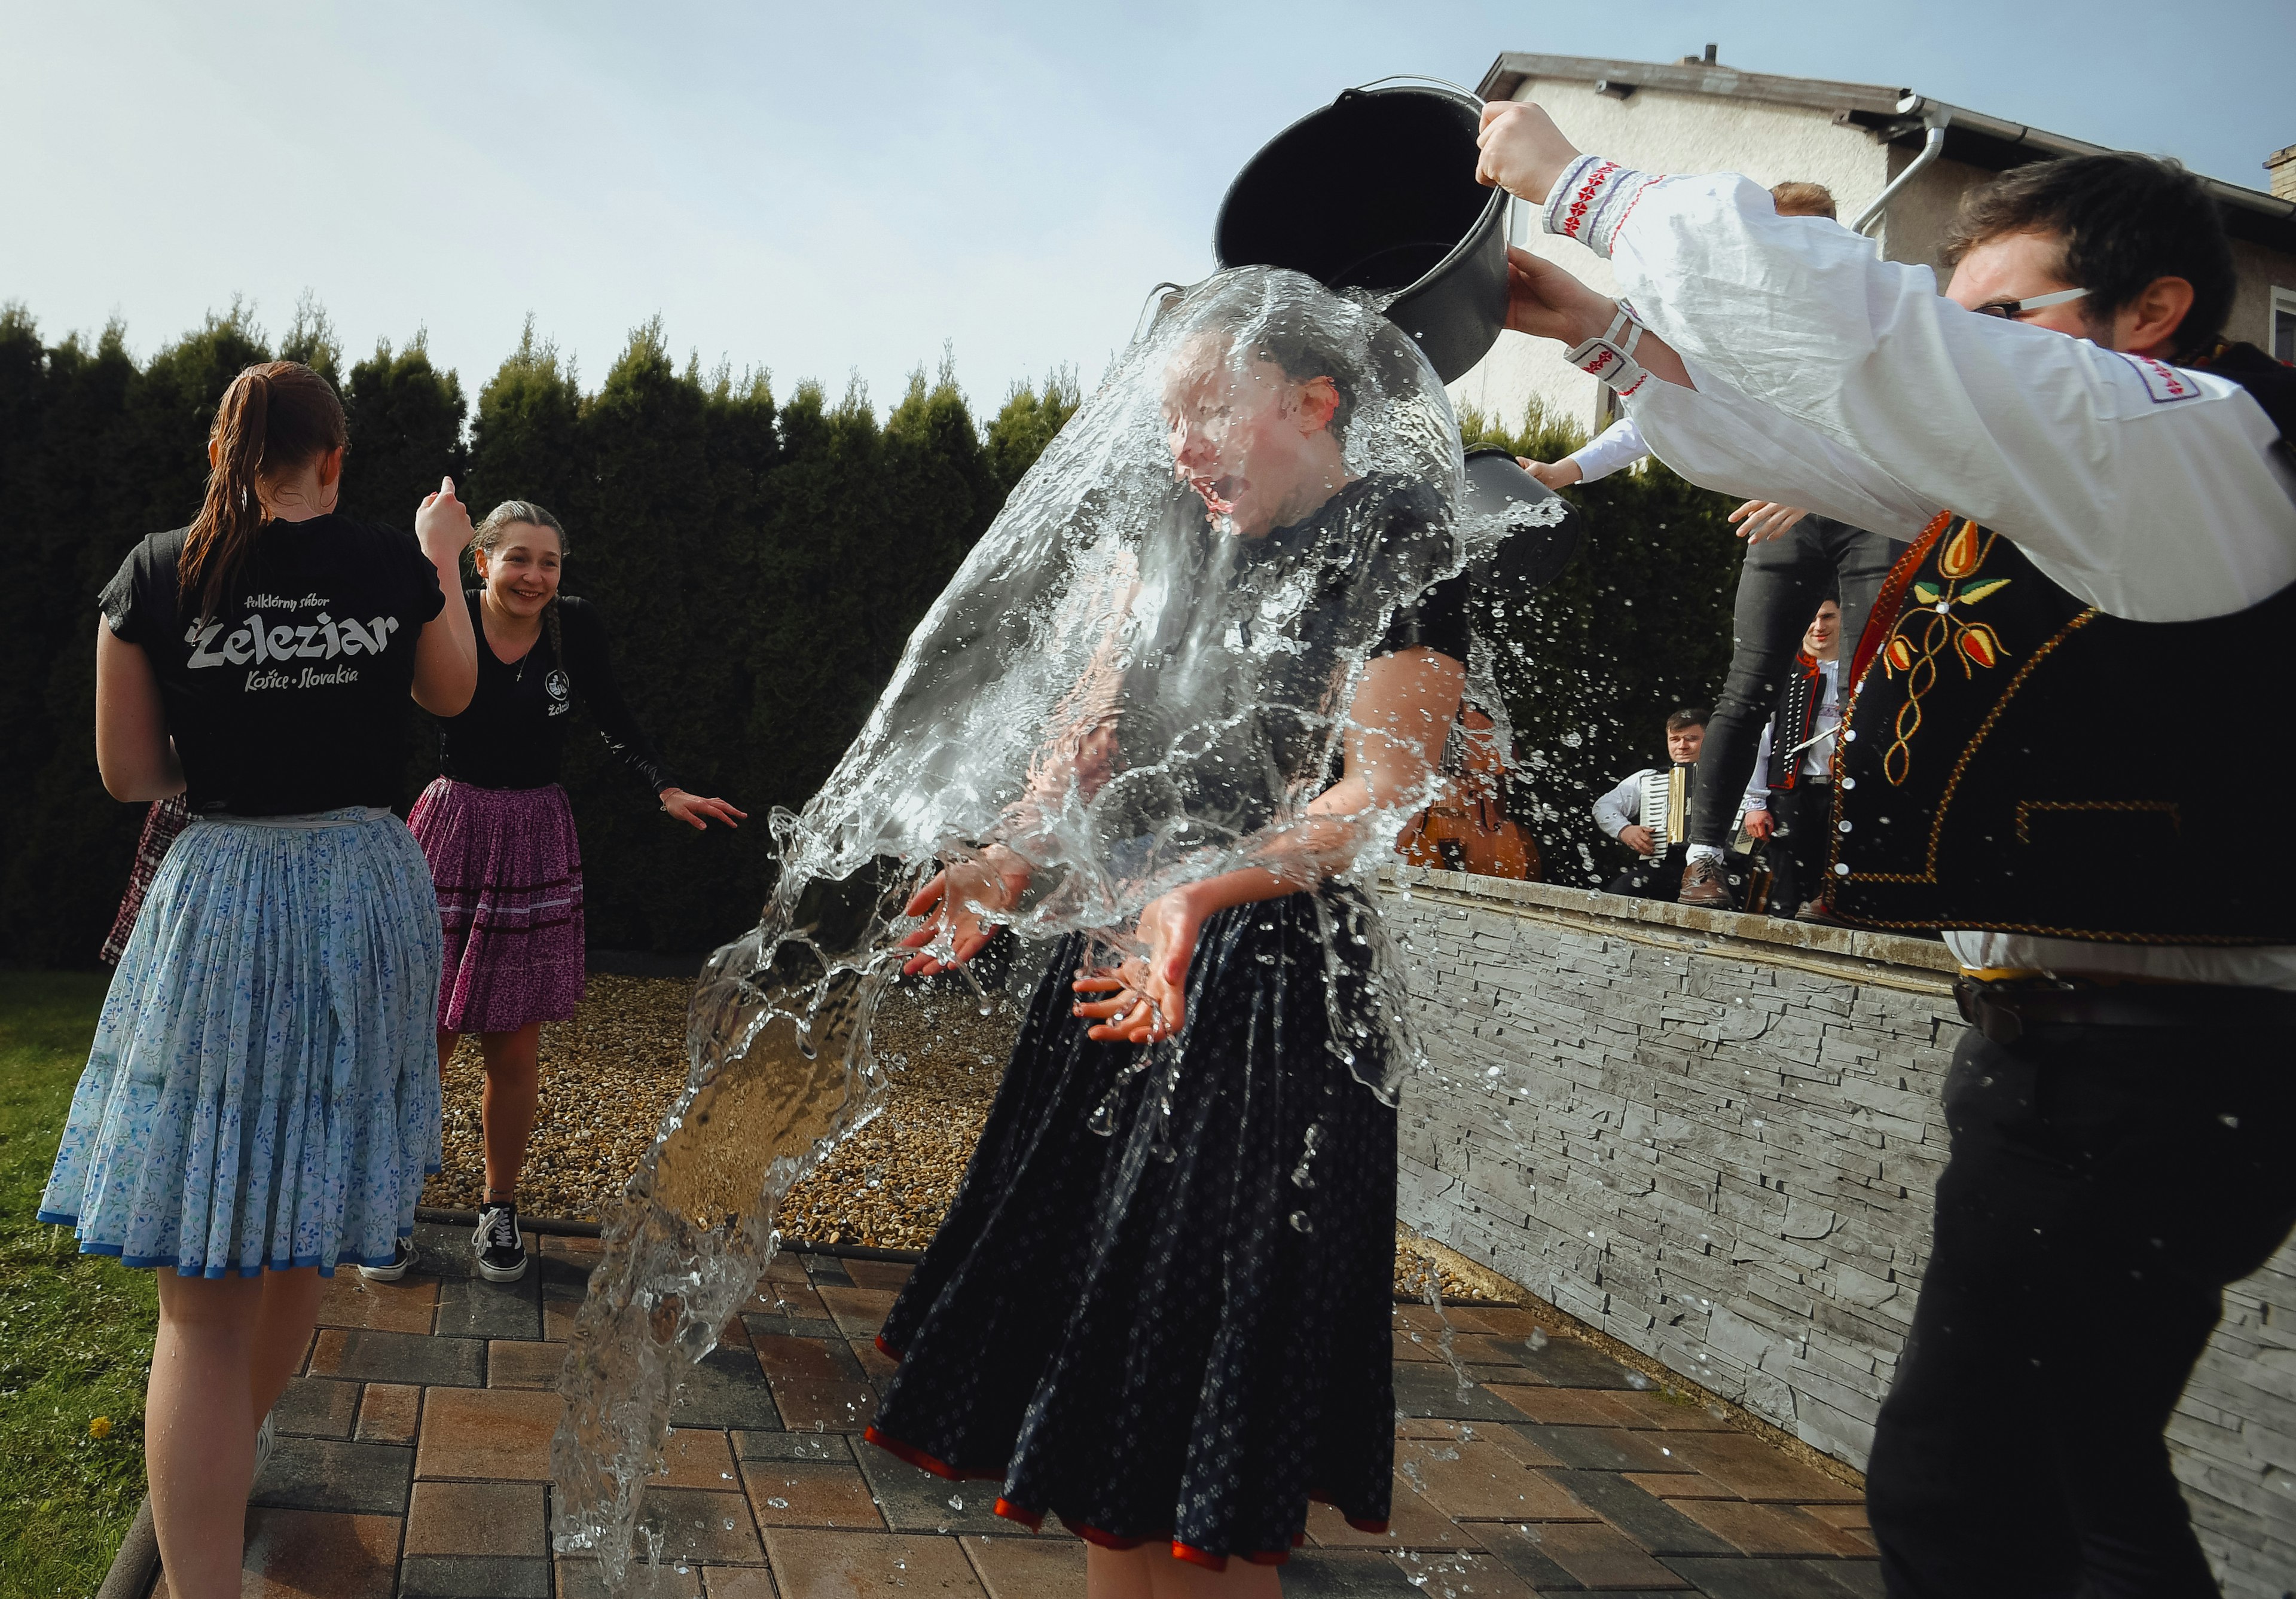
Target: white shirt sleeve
x=1622, y=806
x=1720, y=439
x=1757, y=786
x=2146, y=491
x=1817, y=761
x=1619, y=445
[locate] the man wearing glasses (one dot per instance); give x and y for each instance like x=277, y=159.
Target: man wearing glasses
x=2098, y=528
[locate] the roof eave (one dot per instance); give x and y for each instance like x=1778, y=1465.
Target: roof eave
x=1507, y=73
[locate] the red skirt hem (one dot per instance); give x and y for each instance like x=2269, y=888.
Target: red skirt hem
x=926, y=1463
x=1034, y=1520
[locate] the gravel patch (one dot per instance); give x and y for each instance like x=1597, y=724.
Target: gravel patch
x=608, y=1077
x=611, y=1073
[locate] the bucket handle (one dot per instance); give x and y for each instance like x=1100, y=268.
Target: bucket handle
x=1414, y=77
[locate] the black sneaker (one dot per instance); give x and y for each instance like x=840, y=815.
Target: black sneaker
x=497, y=1247
x=402, y=1256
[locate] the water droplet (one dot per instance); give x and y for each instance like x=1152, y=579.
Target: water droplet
x=957, y=1501
x=1300, y=1223
x=778, y=1504
x=1636, y=1380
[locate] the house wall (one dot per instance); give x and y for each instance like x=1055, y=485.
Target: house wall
x=2261, y=271
x=1717, y=1139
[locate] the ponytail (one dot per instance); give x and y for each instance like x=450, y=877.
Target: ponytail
x=550, y=626
x=275, y=417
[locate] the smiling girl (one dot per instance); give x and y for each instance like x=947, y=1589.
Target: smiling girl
x=500, y=838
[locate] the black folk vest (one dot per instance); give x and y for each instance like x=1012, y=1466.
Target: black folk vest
x=1793, y=722
x=2014, y=760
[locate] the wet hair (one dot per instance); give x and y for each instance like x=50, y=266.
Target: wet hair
x=1799, y=198
x=1290, y=338
x=1689, y=716
x=2123, y=221
x=489, y=537
x=275, y=418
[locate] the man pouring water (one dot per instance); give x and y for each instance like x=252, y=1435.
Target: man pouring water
x=2098, y=523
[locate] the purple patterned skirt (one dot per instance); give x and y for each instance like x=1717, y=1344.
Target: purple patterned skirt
x=509, y=871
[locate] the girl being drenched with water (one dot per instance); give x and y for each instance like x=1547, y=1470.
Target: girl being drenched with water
x=1159, y=1305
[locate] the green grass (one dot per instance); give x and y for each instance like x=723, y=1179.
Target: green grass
x=75, y=1329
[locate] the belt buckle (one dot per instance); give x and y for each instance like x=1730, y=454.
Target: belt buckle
x=1998, y=1022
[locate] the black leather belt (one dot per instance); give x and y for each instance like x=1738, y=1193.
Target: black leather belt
x=2004, y=1010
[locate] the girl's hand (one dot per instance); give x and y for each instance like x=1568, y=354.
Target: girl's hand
x=1765, y=518
x=698, y=813
x=1125, y=1011
x=1555, y=474
x=442, y=525
x=1150, y=993
x=949, y=902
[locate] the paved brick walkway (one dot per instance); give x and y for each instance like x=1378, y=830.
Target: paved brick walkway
x=415, y=1461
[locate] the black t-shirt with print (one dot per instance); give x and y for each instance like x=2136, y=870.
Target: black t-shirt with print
x=295, y=696
x=513, y=733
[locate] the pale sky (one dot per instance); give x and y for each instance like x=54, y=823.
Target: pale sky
x=833, y=188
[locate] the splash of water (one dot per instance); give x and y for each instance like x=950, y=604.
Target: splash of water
x=1141, y=678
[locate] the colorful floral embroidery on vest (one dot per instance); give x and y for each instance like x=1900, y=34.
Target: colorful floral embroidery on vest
x=1940, y=626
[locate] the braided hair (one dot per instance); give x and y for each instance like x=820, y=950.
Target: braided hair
x=489, y=534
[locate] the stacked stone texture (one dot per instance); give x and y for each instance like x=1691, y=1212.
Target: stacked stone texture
x=1717, y=1139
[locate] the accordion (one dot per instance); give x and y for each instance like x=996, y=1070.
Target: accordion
x=1666, y=804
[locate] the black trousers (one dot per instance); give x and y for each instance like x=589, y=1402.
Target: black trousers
x=2105, y=1184
x=1652, y=876
x=1798, y=852
x=1779, y=590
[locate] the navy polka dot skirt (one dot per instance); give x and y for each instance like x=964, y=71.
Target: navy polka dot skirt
x=1159, y=1307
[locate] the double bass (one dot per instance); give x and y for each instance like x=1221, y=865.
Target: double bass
x=1467, y=829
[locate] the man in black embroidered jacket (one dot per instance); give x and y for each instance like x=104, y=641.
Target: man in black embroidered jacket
x=2098, y=524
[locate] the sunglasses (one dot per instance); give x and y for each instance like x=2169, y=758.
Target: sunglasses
x=2010, y=310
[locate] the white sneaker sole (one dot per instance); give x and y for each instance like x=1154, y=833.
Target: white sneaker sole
x=501, y=1273
x=387, y=1274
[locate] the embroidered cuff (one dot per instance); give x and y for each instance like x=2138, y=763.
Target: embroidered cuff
x=1611, y=360
x=1591, y=199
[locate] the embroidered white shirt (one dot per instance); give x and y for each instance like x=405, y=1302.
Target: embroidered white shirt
x=1831, y=379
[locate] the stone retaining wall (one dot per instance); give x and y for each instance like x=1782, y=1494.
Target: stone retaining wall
x=1717, y=1138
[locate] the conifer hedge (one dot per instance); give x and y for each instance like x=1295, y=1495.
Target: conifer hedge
x=1637, y=625
x=759, y=562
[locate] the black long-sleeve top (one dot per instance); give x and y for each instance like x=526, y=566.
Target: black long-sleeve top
x=513, y=731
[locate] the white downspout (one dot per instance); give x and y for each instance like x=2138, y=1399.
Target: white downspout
x=1932, y=146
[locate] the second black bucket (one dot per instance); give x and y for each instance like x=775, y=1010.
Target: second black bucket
x=1377, y=192
x=1537, y=544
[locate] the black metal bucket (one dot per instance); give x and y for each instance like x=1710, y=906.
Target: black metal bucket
x=1377, y=192
x=1534, y=551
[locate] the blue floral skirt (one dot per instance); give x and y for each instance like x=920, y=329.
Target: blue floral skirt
x=264, y=1087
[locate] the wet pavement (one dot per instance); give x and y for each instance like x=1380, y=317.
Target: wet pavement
x=413, y=1461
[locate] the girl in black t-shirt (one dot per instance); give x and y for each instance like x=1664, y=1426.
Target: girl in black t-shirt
x=262, y=1102
x=500, y=838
